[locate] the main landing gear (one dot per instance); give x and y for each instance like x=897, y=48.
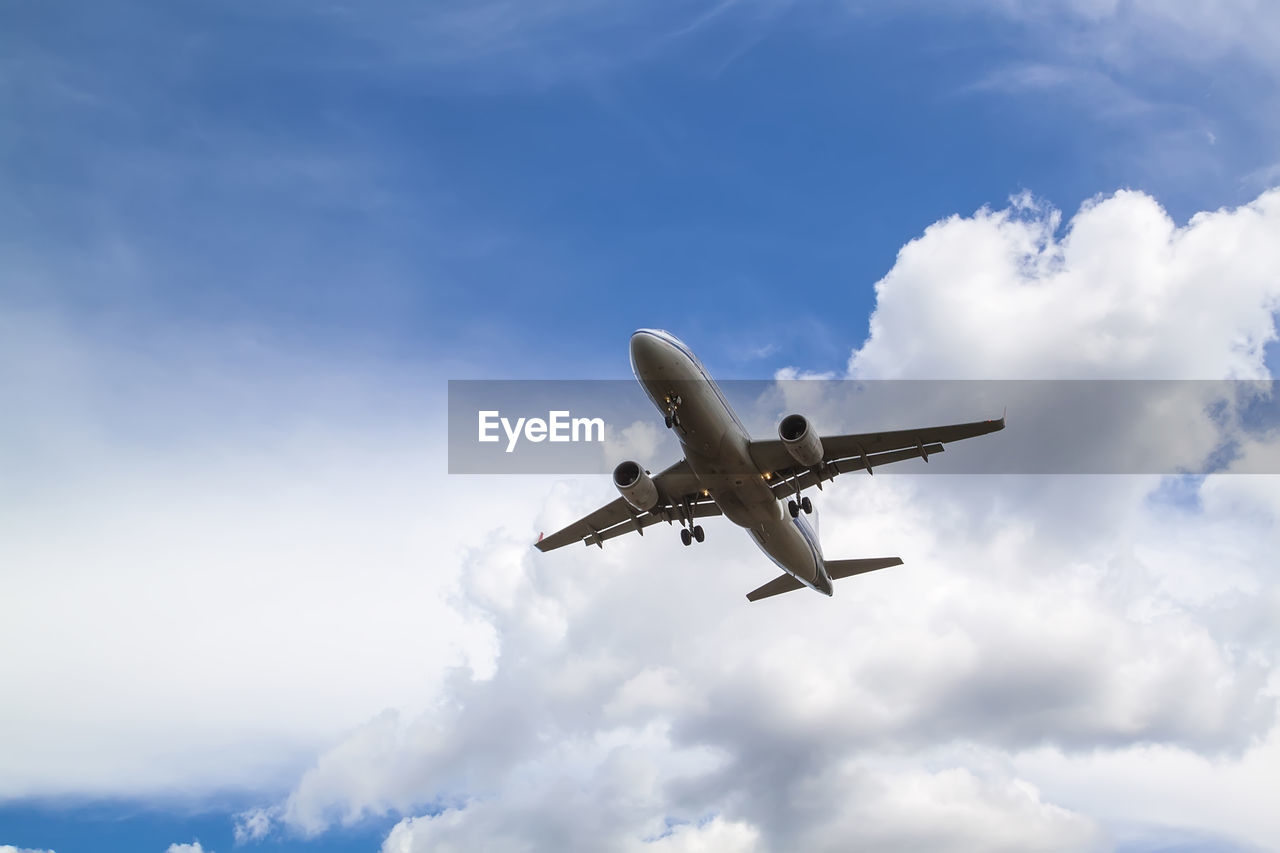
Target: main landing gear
x=805, y=504
x=673, y=419
x=689, y=537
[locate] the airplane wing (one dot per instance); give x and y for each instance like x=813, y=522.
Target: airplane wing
x=844, y=453
x=679, y=493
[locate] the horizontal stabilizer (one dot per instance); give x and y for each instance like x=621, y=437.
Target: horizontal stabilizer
x=837, y=569
x=777, y=586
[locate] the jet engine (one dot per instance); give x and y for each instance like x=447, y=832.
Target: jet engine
x=800, y=440
x=635, y=485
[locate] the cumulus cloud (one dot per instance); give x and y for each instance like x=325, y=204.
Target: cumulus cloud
x=193, y=847
x=1039, y=625
x=1123, y=293
x=1040, y=629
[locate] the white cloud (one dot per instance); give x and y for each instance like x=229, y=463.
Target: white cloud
x=193, y=847
x=9, y=848
x=1124, y=293
x=295, y=603
x=254, y=824
x=639, y=441
x=216, y=567
x=636, y=697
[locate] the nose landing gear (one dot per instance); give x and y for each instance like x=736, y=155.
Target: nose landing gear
x=672, y=418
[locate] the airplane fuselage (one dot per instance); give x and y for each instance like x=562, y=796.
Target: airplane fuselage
x=716, y=446
x=758, y=484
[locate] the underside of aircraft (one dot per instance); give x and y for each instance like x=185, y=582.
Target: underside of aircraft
x=758, y=484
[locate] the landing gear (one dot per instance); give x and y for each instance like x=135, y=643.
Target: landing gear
x=689, y=535
x=672, y=419
x=795, y=508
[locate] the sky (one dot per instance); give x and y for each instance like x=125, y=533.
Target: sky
x=243, y=247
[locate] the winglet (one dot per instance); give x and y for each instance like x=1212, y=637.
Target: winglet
x=539, y=537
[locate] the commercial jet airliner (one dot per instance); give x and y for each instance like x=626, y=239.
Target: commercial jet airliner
x=726, y=472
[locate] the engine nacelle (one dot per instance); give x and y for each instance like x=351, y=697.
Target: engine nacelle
x=635, y=485
x=800, y=440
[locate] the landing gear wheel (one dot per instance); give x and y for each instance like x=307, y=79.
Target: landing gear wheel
x=685, y=536
x=672, y=419
x=698, y=534
x=793, y=508
x=806, y=505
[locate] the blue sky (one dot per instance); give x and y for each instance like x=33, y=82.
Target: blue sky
x=117, y=825
x=490, y=189
x=358, y=178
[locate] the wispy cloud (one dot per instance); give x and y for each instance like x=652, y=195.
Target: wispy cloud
x=1157, y=73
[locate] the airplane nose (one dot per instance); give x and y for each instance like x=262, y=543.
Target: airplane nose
x=645, y=350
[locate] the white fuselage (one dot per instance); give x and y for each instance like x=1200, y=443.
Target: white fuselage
x=716, y=445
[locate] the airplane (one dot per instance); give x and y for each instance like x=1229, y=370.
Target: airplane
x=726, y=472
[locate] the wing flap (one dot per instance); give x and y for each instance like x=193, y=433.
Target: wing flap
x=777, y=586
x=611, y=514
x=783, y=487
x=675, y=485
x=640, y=521
x=772, y=455
x=878, y=442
